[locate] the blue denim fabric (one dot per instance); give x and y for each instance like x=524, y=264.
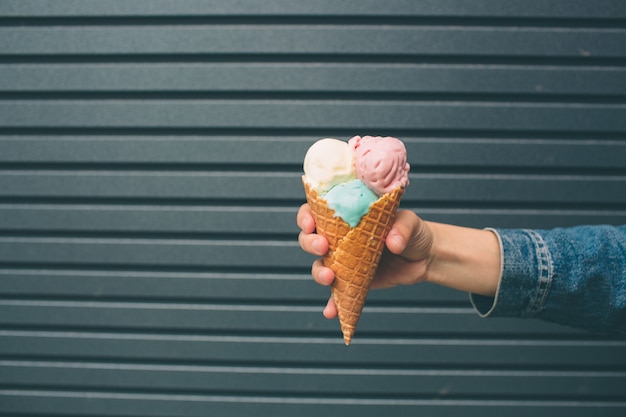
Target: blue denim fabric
x=573, y=276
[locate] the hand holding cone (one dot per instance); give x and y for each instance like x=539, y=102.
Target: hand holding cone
x=355, y=250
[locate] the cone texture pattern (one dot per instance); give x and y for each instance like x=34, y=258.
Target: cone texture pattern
x=354, y=253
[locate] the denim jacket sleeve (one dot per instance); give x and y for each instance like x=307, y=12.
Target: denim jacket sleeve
x=572, y=276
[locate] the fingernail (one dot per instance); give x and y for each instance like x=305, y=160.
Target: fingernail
x=397, y=240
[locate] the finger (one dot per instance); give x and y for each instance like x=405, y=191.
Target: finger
x=305, y=220
x=401, y=231
x=313, y=243
x=330, y=312
x=321, y=274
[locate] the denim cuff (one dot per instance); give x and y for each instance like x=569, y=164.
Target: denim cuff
x=525, y=278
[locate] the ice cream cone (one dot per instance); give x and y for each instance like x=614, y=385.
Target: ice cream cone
x=354, y=252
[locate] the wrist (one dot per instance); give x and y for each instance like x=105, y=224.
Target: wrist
x=464, y=259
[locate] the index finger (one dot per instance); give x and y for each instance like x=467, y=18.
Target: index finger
x=305, y=220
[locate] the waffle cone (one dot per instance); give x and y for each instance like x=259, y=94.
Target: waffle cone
x=354, y=252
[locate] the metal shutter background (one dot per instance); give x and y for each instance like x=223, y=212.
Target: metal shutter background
x=150, y=161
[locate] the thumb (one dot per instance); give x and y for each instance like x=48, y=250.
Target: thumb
x=409, y=236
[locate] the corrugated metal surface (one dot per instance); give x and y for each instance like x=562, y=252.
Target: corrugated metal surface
x=150, y=156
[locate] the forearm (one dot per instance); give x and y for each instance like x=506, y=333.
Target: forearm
x=465, y=259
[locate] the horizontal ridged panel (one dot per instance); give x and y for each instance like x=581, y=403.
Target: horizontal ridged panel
x=233, y=317
x=323, y=39
x=147, y=219
x=256, y=186
x=150, y=163
x=459, y=8
x=463, y=352
x=198, y=349
x=185, y=151
x=156, y=252
x=294, y=379
x=112, y=403
x=169, y=220
x=365, y=115
x=195, y=286
x=331, y=79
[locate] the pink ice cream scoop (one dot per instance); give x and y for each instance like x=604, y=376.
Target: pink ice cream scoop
x=380, y=162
